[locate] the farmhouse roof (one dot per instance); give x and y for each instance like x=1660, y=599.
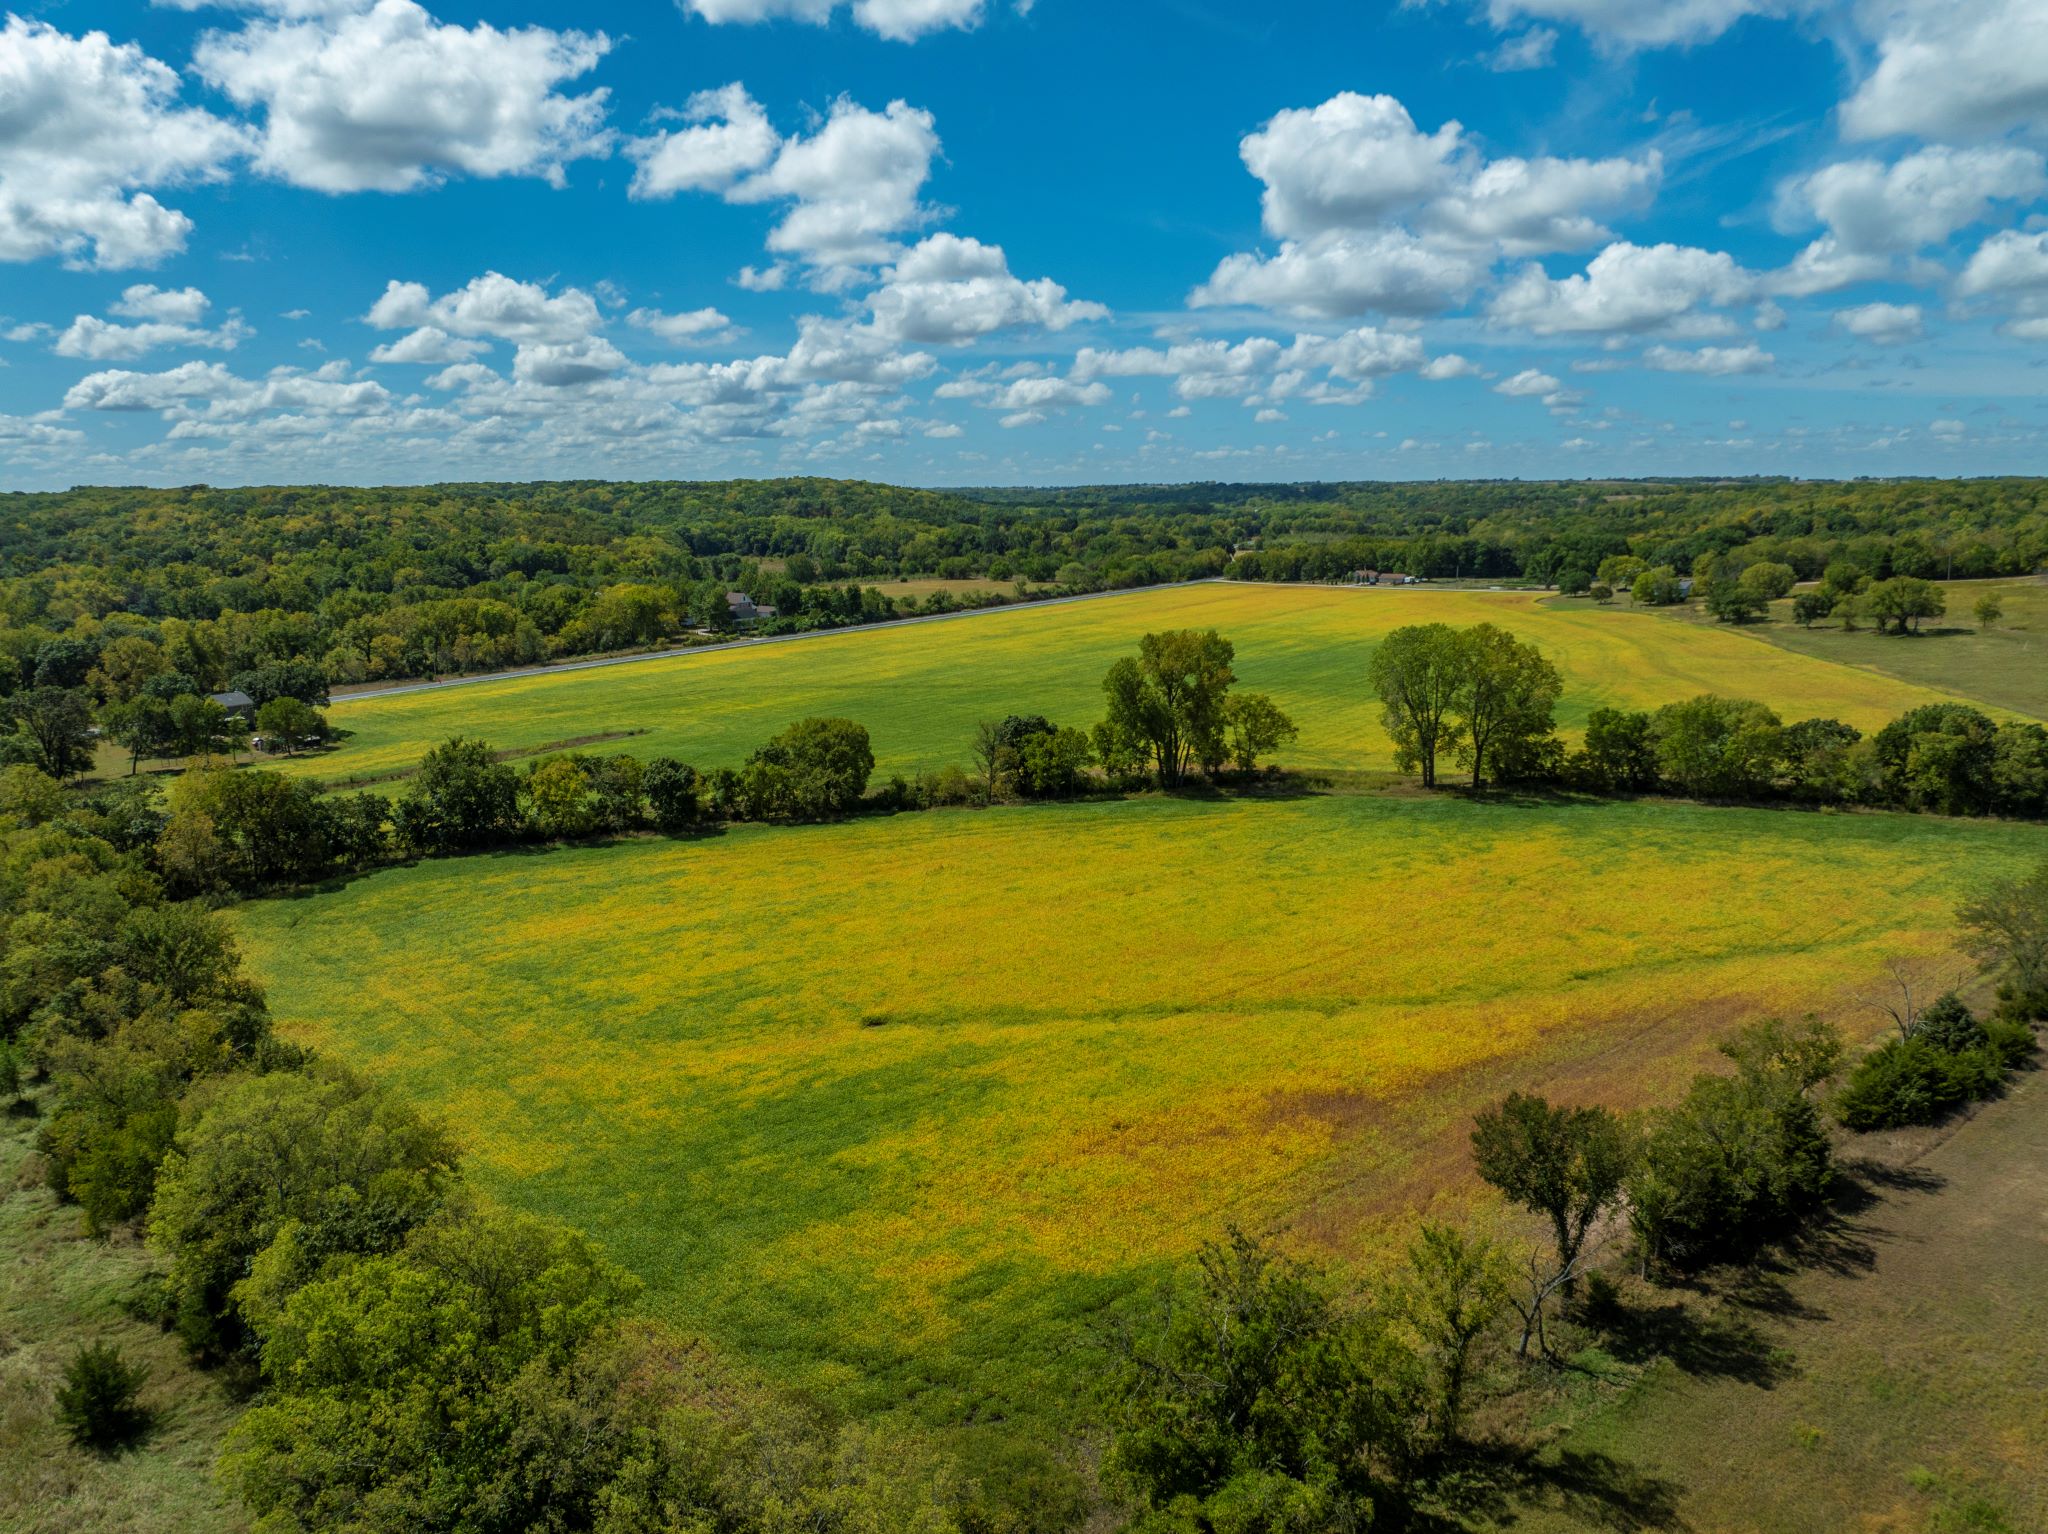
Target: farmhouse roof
x=234, y=700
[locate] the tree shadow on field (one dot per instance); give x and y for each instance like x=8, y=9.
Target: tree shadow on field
x=335, y=883
x=1718, y=1343
x=1536, y=797
x=1845, y=1240
x=1497, y=1483
x=1283, y=786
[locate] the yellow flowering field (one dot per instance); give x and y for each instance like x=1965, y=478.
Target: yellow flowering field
x=919, y=689
x=891, y=1108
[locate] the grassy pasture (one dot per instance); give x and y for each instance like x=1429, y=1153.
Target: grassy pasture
x=920, y=688
x=2005, y=665
x=1908, y=1388
x=888, y=1107
x=58, y=1291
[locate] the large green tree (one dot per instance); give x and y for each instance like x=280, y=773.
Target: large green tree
x=1170, y=699
x=1902, y=601
x=815, y=769
x=342, y=1163
x=1506, y=701
x=1566, y=1164
x=1419, y=672
x=462, y=796
x=1718, y=748
x=435, y=1387
x=50, y=729
x=1941, y=757
x=1260, y=1405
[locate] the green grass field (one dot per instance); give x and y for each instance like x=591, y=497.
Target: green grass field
x=58, y=1291
x=920, y=689
x=2005, y=665
x=1903, y=1385
x=889, y=1107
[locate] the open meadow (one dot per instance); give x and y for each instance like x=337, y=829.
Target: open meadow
x=2004, y=665
x=888, y=1107
x=1894, y=1385
x=920, y=688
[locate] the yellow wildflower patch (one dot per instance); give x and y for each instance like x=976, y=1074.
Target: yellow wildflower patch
x=889, y=1105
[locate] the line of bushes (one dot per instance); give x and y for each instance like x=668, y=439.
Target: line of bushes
x=1941, y=758
x=1490, y=700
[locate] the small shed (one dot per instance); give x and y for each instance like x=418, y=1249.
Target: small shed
x=238, y=704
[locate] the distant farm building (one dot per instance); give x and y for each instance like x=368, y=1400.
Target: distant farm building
x=1381, y=578
x=745, y=611
x=238, y=704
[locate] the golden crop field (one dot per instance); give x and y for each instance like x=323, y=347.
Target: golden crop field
x=919, y=689
x=891, y=1107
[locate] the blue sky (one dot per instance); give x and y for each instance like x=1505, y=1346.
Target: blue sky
x=980, y=241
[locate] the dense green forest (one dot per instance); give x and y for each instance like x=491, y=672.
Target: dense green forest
x=372, y=584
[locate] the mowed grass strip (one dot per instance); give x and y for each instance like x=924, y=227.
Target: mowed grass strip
x=1913, y=1391
x=889, y=1106
x=2004, y=665
x=920, y=689
x=59, y=1291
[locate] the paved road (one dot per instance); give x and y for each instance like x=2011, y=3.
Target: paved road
x=739, y=644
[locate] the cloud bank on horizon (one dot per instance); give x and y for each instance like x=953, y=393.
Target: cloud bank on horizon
x=982, y=241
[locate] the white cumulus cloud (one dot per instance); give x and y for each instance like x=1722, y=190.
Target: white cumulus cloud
x=1881, y=322
x=171, y=306
x=1337, y=276
x=851, y=187
x=1626, y=289
x=99, y=340
x=87, y=127
x=1953, y=69
x=1349, y=162
x=494, y=306
x=1710, y=361
x=729, y=137
x=1917, y=201
x=430, y=346
x=1374, y=214
x=953, y=289
x=902, y=21
x=388, y=99
x=691, y=327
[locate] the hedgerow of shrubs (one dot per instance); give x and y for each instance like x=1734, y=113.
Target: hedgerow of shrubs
x=1944, y=758
x=1950, y=1058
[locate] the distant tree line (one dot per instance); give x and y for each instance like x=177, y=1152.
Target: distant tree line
x=368, y=584
x=374, y=584
x=1737, y=589
x=1562, y=532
